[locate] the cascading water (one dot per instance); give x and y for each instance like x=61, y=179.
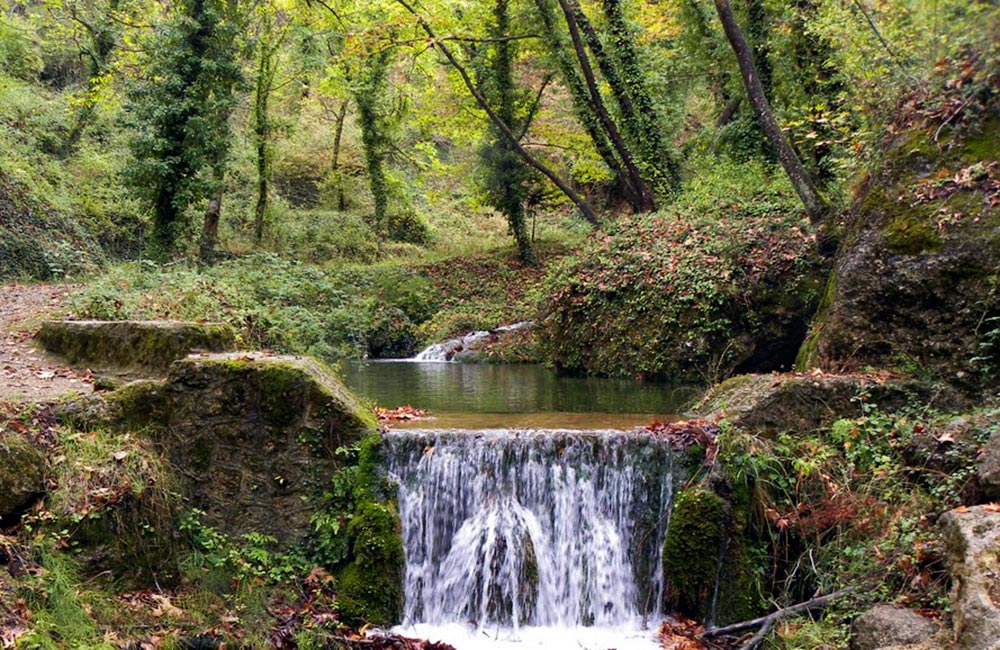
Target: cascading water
x=504, y=529
x=453, y=349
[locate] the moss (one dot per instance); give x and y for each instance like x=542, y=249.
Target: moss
x=283, y=388
x=984, y=145
x=910, y=234
x=691, y=551
x=148, y=345
x=22, y=472
x=138, y=404
x=370, y=588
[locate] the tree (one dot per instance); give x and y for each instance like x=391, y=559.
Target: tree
x=815, y=206
x=271, y=33
x=180, y=112
x=582, y=205
x=370, y=96
x=507, y=176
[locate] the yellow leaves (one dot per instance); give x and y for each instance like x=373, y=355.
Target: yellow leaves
x=164, y=608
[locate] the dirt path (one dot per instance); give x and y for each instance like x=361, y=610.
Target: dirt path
x=26, y=371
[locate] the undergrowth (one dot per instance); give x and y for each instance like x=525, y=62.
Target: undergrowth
x=855, y=505
x=382, y=311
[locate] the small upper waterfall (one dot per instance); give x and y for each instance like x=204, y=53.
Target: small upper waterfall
x=548, y=528
x=448, y=350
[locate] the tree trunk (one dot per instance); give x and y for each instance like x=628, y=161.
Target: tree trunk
x=335, y=166
x=578, y=201
x=210, y=230
x=631, y=85
x=210, y=222
x=581, y=104
x=647, y=202
x=262, y=135
x=815, y=207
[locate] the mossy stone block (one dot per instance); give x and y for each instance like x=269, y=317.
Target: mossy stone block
x=149, y=345
x=691, y=551
x=255, y=437
x=779, y=403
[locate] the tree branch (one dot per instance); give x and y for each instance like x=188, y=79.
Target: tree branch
x=581, y=204
x=772, y=618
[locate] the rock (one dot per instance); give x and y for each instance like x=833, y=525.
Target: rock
x=883, y=626
x=254, y=436
x=150, y=345
x=988, y=468
x=972, y=538
x=914, y=282
x=805, y=402
x=22, y=473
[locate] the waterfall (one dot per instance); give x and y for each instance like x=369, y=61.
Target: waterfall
x=471, y=342
x=547, y=528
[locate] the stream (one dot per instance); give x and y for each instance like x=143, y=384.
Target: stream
x=533, y=514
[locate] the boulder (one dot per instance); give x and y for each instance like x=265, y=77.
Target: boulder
x=972, y=538
x=22, y=473
x=804, y=402
x=150, y=345
x=254, y=436
x=988, y=468
x=914, y=286
x=884, y=626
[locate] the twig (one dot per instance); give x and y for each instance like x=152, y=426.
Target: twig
x=755, y=640
x=773, y=617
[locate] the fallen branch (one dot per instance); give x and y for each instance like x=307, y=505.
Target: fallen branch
x=755, y=640
x=772, y=618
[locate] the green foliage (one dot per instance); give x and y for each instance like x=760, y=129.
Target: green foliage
x=677, y=292
x=254, y=557
x=180, y=114
x=18, y=58
x=848, y=505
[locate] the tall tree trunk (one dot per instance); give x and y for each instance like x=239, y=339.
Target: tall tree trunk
x=368, y=97
x=335, y=165
x=585, y=210
x=628, y=82
x=815, y=207
x=262, y=131
x=581, y=103
x=210, y=224
x=509, y=172
x=647, y=202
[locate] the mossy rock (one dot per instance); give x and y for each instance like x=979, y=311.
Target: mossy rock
x=916, y=277
x=691, y=551
x=255, y=437
x=802, y=403
x=149, y=345
x=132, y=406
x=22, y=473
x=370, y=587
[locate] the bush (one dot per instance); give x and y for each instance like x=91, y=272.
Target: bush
x=692, y=294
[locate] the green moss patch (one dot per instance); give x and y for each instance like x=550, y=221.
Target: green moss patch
x=370, y=588
x=151, y=345
x=22, y=472
x=691, y=551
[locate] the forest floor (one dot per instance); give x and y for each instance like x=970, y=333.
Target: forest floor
x=26, y=372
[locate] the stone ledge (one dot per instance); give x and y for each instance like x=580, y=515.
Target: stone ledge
x=149, y=345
